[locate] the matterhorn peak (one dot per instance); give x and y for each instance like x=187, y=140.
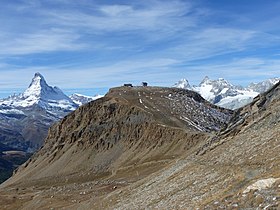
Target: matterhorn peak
x=38, y=77
x=37, y=86
x=41, y=94
x=37, y=74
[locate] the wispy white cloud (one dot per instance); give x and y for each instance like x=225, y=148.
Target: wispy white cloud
x=66, y=28
x=151, y=23
x=155, y=72
x=210, y=42
x=66, y=77
x=116, y=10
x=40, y=42
x=105, y=43
x=149, y=16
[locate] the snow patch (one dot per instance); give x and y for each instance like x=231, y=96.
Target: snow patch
x=11, y=111
x=261, y=184
x=205, y=91
x=191, y=123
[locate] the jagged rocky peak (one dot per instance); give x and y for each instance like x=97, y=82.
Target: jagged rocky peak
x=224, y=82
x=206, y=80
x=264, y=85
x=224, y=94
x=37, y=86
x=38, y=80
x=183, y=83
x=41, y=94
x=218, y=83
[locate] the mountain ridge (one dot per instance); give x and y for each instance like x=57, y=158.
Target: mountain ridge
x=223, y=93
x=81, y=99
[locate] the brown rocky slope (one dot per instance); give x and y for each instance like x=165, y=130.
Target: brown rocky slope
x=236, y=169
x=114, y=141
x=156, y=161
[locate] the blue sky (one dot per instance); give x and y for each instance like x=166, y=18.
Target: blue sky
x=88, y=46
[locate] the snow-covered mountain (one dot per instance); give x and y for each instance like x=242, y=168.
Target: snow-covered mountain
x=41, y=94
x=264, y=85
x=26, y=117
x=183, y=83
x=224, y=94
x=82, y=99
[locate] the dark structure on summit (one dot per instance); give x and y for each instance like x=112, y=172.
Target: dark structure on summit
x=128, y=85
x=144, y=84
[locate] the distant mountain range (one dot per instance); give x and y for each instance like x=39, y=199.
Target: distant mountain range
x=82, y=99
x=26, y=117
x=225, y=94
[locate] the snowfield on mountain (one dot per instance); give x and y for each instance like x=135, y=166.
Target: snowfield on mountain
x=224, y=94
